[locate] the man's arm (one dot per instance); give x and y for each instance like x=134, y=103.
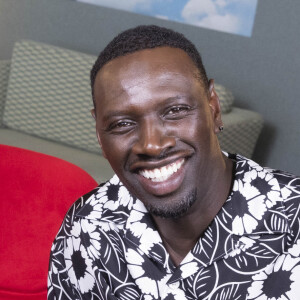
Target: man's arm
x=60, y=286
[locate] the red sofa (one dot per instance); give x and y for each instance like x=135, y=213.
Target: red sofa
x=36, y=191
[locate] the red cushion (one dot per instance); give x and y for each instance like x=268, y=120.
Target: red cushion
x=36, y=191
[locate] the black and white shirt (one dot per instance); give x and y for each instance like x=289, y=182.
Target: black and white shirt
x=108, y=246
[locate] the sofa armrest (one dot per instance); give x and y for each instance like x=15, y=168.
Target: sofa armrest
x=4, y=75
x=241, y=131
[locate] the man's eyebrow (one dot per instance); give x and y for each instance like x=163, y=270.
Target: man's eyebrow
x=128, y=110
x=177, y=97
x=114, y=113
x=174, y=98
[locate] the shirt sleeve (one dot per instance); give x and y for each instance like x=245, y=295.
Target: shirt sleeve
x=71, y=270
x=60, y=286
x=290, y=190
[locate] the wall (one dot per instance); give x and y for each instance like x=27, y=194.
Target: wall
x=262, y=71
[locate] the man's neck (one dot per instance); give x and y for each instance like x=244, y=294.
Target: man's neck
x=181, y=234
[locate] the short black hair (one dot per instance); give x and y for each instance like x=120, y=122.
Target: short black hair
x=147, y=37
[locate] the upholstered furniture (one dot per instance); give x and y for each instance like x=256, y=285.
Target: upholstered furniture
x=45, y=103
x=36, y=192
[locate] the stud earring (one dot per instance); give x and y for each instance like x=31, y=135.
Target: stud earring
x=221, y=128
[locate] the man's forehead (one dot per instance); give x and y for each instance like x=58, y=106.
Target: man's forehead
x=157, y=67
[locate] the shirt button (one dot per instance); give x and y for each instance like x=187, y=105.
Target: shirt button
x=174, y=285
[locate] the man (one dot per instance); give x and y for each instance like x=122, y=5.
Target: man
x=180, y=219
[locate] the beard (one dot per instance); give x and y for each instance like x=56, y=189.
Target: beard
x=174, y=210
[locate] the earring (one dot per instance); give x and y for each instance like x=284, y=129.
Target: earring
x=221, y=128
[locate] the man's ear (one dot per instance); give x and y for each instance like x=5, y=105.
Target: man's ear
x=93, y=113
x=214, y=104
x=100, y=143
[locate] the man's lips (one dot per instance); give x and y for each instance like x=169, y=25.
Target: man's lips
x=163, y=180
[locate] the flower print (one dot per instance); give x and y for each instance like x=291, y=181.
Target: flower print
x=151, y=283
x=243, y=244
x=88, y=235
x=108, y=226
x=125, y=199
x=251, y=210
x=139, y=206
x=78, y=265
x=176, y=294
x=295, y=250
x=135, y=225
x=91, y=238
x=278, y=281
x=265, y=182
x=138, y=224
x=106, y=198
x=93, y=208
x=113, y=194
x=189, y=269
x=115, y=180
x=148, y=239
x=286, y=192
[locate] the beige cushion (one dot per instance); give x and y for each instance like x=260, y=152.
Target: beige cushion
x=49, y=95
x=4, y=73
x=226, y=98
x=241, y=130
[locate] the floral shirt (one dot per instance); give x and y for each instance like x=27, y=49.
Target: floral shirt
x=108, y=246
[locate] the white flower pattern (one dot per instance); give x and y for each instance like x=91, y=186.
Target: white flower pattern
x=256, y=207
x=285, y=272
x=79, y=265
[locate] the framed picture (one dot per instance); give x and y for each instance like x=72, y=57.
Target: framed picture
x=232, y=16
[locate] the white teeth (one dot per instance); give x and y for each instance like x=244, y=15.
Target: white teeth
x=157, y=173
x=163, y=173
x=174, y=168
x=147, y=173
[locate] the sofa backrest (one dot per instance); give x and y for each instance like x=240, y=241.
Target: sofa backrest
x=4, y=74
x=49, y=95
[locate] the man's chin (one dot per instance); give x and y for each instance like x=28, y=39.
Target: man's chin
x=173, y=210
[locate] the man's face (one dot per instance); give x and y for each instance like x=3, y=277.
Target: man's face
x=156, y=124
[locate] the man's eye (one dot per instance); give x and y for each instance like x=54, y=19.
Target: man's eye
x=177, y=110
x=121, y=126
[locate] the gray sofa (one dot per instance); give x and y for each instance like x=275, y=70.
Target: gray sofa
x=45, y=104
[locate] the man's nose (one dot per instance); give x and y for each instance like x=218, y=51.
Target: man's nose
x=153, y=140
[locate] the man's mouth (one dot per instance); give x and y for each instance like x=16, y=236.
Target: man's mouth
x=163, y=173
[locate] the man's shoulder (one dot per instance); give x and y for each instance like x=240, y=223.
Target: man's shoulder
x=109, y=202
x=284, y=178
x=268, y=181
x=289, y=185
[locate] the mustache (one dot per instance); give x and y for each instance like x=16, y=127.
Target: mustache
x=163, y=155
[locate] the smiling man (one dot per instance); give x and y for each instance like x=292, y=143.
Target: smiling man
x=180, y=219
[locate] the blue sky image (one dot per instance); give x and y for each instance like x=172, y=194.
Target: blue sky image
x=232, y=16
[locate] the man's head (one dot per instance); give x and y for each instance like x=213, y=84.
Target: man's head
x=147, y=37
x=157, y=124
